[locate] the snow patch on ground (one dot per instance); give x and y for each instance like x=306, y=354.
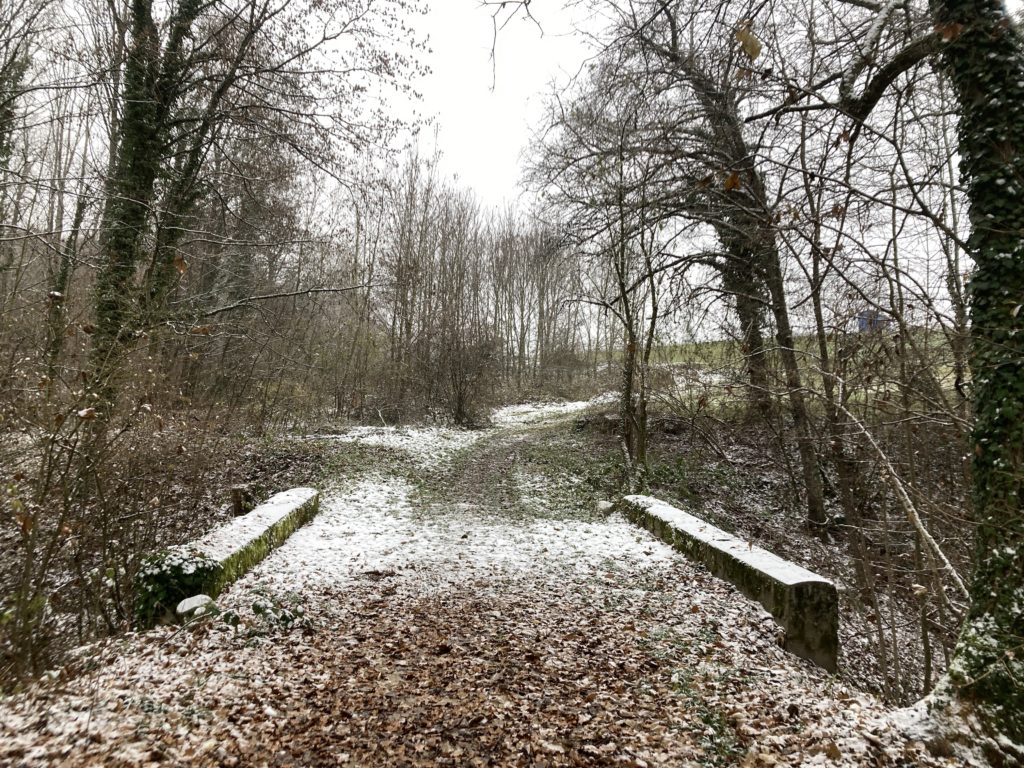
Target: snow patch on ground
x=429, y=446
x=377, y=528
x=532, y=489
x=535, y=413
x=686, y=379
x=938, y=718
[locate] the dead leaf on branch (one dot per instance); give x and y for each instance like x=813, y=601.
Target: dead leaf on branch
x=949, y=31
x=748, y=40
x=25, y=521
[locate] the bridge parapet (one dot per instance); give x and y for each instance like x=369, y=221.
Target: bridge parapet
x=802, y=602
x=210, y=564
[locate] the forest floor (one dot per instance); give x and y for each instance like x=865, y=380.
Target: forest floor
x=459, y=600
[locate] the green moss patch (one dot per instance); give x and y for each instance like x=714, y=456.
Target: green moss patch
x=208, y=565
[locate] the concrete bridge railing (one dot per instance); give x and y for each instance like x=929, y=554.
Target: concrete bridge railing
x=803, y=603
x=207, y=566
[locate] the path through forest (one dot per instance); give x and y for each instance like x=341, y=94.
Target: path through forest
x=449, y=607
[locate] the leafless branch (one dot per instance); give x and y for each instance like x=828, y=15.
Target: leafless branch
x=283, y=295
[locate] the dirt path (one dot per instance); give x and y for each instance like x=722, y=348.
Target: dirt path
x=466, y=610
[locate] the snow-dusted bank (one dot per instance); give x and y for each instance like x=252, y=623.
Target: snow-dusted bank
x=208, y=565
x=805, y=604
x=541, y=413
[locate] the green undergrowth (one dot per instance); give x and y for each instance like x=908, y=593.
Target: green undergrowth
x=682, y=472
x=706, y=486
x=350, y=462
x=574, y=472
x=548, y=472
x=719, y=741
x=563, y=449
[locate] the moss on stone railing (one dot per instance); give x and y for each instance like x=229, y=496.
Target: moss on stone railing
x=803, y=603
x=211, y=563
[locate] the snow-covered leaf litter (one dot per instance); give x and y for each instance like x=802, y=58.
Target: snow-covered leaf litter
x=458, y=637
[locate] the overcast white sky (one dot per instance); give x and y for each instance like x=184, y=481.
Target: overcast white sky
x=482, y=131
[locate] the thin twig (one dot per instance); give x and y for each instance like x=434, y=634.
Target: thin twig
x=284, y=295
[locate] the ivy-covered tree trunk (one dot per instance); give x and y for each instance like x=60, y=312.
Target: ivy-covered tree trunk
x=985, y=61
x=738, y=280
x=744, y=225
x=12, y=73
x=151, y=82
x=130, y=191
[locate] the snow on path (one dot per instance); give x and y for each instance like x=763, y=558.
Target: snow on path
x=377, y=527
x=433, y=447
x=539, y=413
x=380, y=527
x=428, y=446
x=390, y=672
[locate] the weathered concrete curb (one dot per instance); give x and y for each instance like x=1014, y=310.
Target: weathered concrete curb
x=210, y=564
x=806, y=605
